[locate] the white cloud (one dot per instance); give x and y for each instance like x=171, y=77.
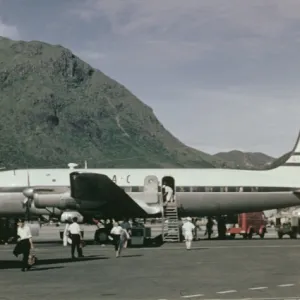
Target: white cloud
x=9, y=31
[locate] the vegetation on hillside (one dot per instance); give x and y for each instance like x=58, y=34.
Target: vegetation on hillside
x=245, y=160
x=57, y=109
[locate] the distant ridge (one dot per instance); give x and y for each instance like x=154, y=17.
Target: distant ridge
x=245, y=160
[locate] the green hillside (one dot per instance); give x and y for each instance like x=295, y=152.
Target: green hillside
x=57, y=109
x=245, y=160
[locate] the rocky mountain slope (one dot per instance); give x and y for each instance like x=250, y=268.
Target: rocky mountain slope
x=57, y=109
x=245, y=160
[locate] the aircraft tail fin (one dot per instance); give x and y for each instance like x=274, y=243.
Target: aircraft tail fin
x=292, y=158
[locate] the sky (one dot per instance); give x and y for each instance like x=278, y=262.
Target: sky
x=220, y=75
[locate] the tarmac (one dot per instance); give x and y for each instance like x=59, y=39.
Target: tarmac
x=231, y=269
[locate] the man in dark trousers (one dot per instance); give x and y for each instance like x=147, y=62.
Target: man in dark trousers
x=24, y=243
x=74, y=230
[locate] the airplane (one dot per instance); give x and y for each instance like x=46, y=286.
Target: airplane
x=118, y=193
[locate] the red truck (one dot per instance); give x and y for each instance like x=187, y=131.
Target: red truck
x=249, y=224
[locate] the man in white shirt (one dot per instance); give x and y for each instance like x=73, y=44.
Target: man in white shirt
x=168, y=193
x=188, y=230
x=117, y=233
x=24, y=243
x=75, y=232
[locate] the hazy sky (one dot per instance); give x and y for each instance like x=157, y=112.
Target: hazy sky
x=220, y=75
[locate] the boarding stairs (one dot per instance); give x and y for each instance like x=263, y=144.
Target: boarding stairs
x=171, y=232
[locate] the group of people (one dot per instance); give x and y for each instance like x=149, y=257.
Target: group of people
x=119, y=234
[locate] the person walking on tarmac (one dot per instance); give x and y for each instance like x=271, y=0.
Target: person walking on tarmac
x=127, y=232
x=24, y=244
x=209, y=226
x=116, y=235
x=74, y=230
x=188, y=232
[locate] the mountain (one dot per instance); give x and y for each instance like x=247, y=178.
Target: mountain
x=57, y=109
x=245, y=160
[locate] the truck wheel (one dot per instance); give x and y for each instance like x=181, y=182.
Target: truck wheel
x=262, y=235
x=232, y=236
x=250, y=235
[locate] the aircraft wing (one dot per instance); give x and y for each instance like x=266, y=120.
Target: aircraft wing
x=106, y=197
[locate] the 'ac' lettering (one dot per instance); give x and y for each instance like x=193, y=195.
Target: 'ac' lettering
x=114, y=179
x=127, y=179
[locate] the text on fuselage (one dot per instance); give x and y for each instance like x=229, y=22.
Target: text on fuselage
x=115, y=179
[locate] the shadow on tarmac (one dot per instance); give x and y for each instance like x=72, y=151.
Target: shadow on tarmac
x=16, y=264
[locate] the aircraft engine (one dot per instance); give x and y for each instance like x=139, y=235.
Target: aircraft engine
x=28, y=192
x=61, y=201
x=69, y=215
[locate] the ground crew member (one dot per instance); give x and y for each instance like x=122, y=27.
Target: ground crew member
x=75, y=232
x=24, y=243
x=66, y=238
x=221, y=228
x=116, y=234
x=188, y=231
x=197, y=227
x=168, y=193
x=126, y=225
x=209, y=226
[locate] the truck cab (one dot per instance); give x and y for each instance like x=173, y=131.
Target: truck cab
x=249, y=224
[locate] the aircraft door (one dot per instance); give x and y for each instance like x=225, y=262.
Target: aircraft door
x=151, y=189
x=169, y=182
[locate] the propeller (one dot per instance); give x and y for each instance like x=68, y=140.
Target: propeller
x=27, y=202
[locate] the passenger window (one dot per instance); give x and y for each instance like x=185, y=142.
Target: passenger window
x=178, y=189
x=186, y=189
x=247, y=189
x=182, y=189
x=136, y=189
x=232, y=189
x=208, y=189
x=198, y=189
x=216, y=189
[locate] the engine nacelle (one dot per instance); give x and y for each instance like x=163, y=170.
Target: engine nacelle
x=61, y=201
x=69, y=215
x=28, y=192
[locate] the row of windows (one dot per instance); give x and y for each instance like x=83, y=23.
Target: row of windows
x=204, y=189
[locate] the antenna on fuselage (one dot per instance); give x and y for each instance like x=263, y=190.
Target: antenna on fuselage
x=72, y=165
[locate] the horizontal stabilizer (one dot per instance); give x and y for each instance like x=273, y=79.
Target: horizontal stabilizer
x=110, y=200
x=150, y=210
